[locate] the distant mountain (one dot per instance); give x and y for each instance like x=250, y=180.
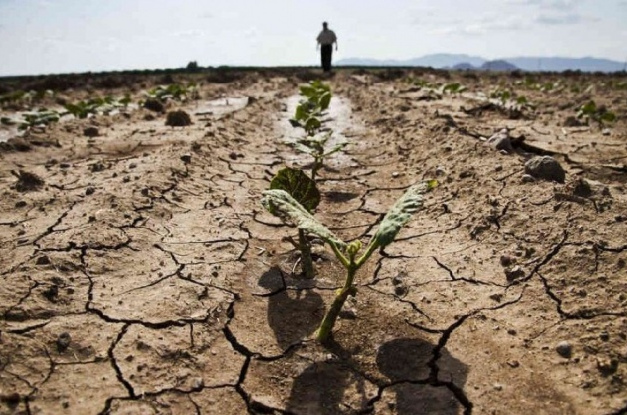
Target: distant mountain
x=587, y=64
x=439, y=60
x=461, y=61
x=498, y=65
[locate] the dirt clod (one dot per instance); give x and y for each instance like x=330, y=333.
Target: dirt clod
x=545, y=168
x=63, y=342
x=27, y=182
x=91, y=131
x=178, y=118
x=564, y=349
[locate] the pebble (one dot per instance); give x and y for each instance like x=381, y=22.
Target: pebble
x=501, y=141
x=545, y=168
x=91, y=132
x=564, y=349
x=63, y=341
x=514, y=273
x=186, y=158
x=498, y=387
x=395, y=174
x=527, y=178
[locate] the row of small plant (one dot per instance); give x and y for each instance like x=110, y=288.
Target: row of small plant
x=293, y=196
x=89, y=107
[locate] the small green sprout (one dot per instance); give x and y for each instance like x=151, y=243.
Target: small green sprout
x=304, y=190
x=600, y=114
x=281, y=204
x=97, y=105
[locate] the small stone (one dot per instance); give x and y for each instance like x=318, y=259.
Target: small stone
x=513, y=363
x=395, y=174
x=186, y=158
x=506, y=260
x=607, y=366
x=20, y=204
x=63, y=342
x=514, y=273
x=545, y=168
x=91, y=132
x=511, y=332
x=12, y=400
x=439, y=171
x=572, y=121
x=498, y=387
x=605, y=336
x=606, y=131
x=564, y=349
x=400, y=290
x=43, y=260
x=527, y=178
x=198, y=383
x=89, y=191
x=501, y=141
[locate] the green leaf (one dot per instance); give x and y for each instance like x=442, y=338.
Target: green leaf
x=280, y=203
x=401, y=212
x=325, y=100
x=312, y=124
x=299, y=186
x=301, y=113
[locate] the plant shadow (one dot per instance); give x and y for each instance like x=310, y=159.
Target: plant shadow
x=336, y=386
x=293, y=315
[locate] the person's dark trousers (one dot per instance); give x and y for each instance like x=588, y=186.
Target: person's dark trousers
x=325, y=56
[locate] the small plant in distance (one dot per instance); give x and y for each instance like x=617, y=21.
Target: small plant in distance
x=591, y=111
x=302, y=189
x=309, y=110
x=32, y=119
x=98, y=105
x=281, y=204
x=174, y=92
x=317, y=98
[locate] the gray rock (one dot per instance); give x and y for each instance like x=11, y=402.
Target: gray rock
x=514, y=273
x=564, y=349
x=527, y=178
x=501, y=141
x=545, y=168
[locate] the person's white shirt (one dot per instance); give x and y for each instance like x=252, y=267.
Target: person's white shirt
x=327, y=37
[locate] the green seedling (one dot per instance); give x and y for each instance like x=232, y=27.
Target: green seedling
x=98, y=105
x=600, y=114
x=174, y=92
x=316, y=148
x=303, y=190
x=281, y=204
x=31, y=119
x=310, y=110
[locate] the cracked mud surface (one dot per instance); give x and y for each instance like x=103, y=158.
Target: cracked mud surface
x=140, y=281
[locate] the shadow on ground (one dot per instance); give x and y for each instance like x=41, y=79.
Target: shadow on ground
x=411, y=389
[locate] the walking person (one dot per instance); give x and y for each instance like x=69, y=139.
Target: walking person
x=326, y=39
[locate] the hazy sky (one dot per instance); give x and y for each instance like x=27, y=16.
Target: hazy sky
x=57, y=36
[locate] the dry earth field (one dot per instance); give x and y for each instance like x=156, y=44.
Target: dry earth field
x=144, y=276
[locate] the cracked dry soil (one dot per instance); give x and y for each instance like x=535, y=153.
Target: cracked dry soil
x=144, y=277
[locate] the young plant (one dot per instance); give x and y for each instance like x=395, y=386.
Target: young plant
x=308, y=116
x=93, y=106
x=40, y=118
x=303, y=190
x=281, y=204
x=591, y=111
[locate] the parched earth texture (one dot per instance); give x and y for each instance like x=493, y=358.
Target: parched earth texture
x=145, y=277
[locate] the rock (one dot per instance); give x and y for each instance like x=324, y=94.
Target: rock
x=607, y=366
x=89, y=191
x=606, y=131
x=582, y=188
x=186, y=158
x=545, y=168
x=439, y=171
x=27, y=182
x=91, y=131
x=527, y=178
x=501, y=141
x=154, y=104
x=43, y=260
x=178, y=119
x=564, y=349
x=572, y=121
x=506, y=260
x=20, y=204
x=63, y=342
x=514, y=273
